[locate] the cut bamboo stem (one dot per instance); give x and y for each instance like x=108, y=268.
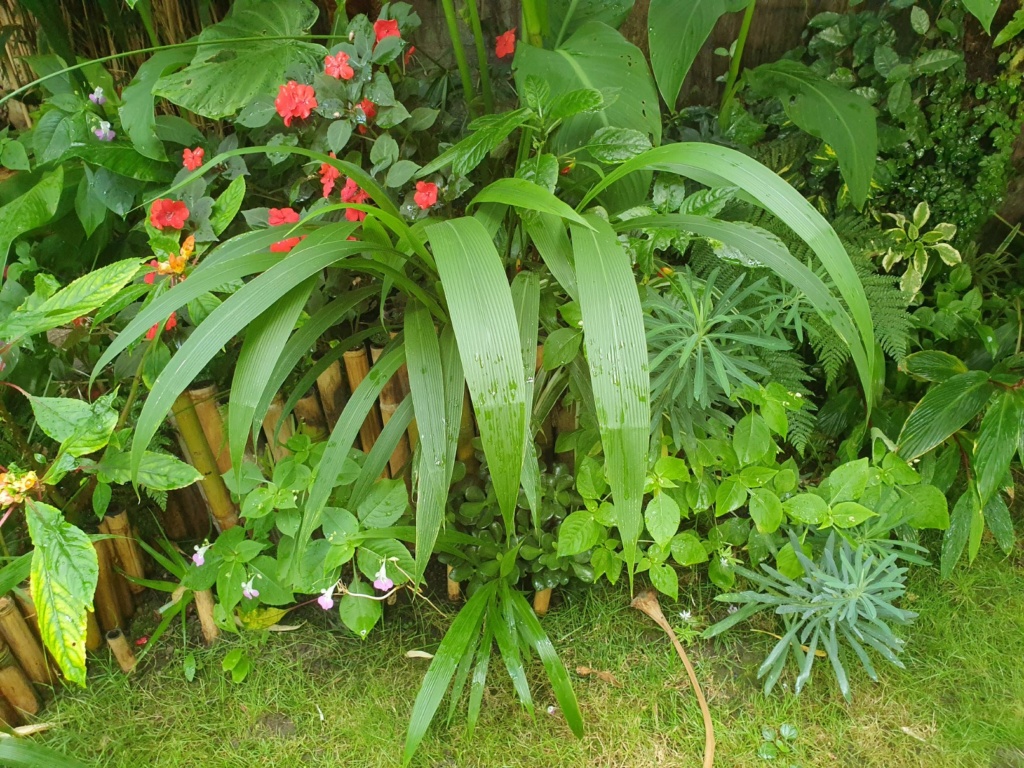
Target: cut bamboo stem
x=311, y=418
x=204, y=400
x=126, y=548
x=106, y=602
x=122, y=651
x=28, y=609
x=23, y=643
x=331, y=385
x=453, y=587
x=14, y=686
x=277, y=437
x=217, y=496
x=467, y=431
x=357, y=366
x=124, y=594
x=542, y=601
x=391, y=397
x=93, y=633
x=647, y=602
x=9, y=715
x=204, y=608
x=171, y=519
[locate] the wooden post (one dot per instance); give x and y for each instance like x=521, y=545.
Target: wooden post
x=126, y=549
x=390, y=398
x=331, y=385
x=122, y=651
x=311, y=418
x=453, y=587
x=14, y=686
x=204, y=608
x=541, y=601
x=276, y=444
x=212, y=484
x=357, y=366
x=204, y=400
x=106, y=601
x=23, y=643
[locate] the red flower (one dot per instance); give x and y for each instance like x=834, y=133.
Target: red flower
x=279, y=216
x=408, y=55
x=386, y=28
x=328, y=175
x=172, y=322
x=353, y=194
x=349, y=191
x=80, y=322
x=151, y=333
x=148, y=279
x=369, y=109
x=193, y=158
x=337, y=66
x=168, y=213
x=426, y=194
x=506, y=44
x=295, y=100
x=283, y=246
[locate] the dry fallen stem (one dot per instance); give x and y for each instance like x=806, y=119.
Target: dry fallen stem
x=647, y=602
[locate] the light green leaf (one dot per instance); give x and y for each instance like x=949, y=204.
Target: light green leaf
x=687, y=549
x=961, y=520
x=847, y=514
x=848, y=481
x=665, y=580
x=730, y=495
x=124, y=160
x=470, y=152
x=578, y=533
x=765, y=510
x=984, y=11
x=227, y=205
x=32, y=209
x=751, y=438
x=923, y=506
x=64, y=574
x=386, y=502
x=806, y=508
x=360, y=614
x=932, y=365
x=521, y=193
x=662, y=517
x=158, y=471
x=617, y=145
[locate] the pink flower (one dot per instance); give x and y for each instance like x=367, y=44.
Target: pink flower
x=337, y=66
x=279, y=216
x=249, y=592
x=193, y=158
x=199, y=558
x=426, y=194
x=97, y=97
x=382, y=582
x=295, y=100
x=326, y=599
x=103, y=133
x=283, y=246
x=166, y=213
x=386, y=28
x=506, y=44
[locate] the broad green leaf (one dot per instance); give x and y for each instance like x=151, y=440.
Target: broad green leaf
x=578, y=533
x=984, y=11
x=662, y=517
x=617, y=145
x=687, y=549
x=848, y=481
x=549, y=236
x=937, y=60
x=64, y=574
x=842, y=119
x=676, y=33
x=944, y=409
x=124, y=160
x=967, y=507
x=390, y=553
x=561, y=347
x=847, y=514
x=665, y=580
x=806, y=508
x=932, y=365
x=225, y=76
x=997, y=442
x=730, y=495
x=158, y=471
x=613, y=329
x=358, y=610
x=32, y=209
x=386, y=502
x=765, y=510
x=483, y=316
x=457, y=641
x=718, y=166
x=1013, y=28
x=566, y=16
x=138, y=116
x=923, y=506
x=227, y=205
x=751, y=438
x=79, y=298
x=997, y=517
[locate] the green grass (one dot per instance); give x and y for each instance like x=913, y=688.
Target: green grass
x=320, y=697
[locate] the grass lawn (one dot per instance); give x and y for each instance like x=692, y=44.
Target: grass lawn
x=320, y=697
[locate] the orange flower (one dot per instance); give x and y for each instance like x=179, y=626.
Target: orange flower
x=337, y=66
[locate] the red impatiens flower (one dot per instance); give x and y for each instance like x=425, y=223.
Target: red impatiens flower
x=295, y=100
x=149, y=278
x=283, y=246
x=166, y=213
x=369, y=109
x=193, y=158
x=408, y=55
x=172, y=322
x=426, y=194
x=386, y=28
x=279, y=216
x=328, y=175
x=337, y=66
x=353, y=194
x=506, y=44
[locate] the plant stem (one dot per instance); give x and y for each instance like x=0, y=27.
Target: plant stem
x=569, y=13
x=146, y=14
x=533, y=21
x=460, y=52
x=734, y=63
x=481, y=56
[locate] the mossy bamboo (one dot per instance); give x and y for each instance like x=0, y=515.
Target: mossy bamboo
x=311, y=418
x=205, y=401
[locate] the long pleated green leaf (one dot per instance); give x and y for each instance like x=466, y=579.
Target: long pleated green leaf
x=258, y=358
x=480, y=304
x=549, y=236
x=454, y=393
x=426, y=385
x=239, y=257
x=456, y=643
x=381, y=452
x=318, y=251
x=504, y=629
x=613, y=329
x=764, y=247
x=526, y=300
x=520, y=193
x=717, y=166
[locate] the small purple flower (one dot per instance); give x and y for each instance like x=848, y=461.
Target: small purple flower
x=249, y=591
x=199, y=558
x=103, y=133
x=97, y=97
x=382, y=582
x=326, y=599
